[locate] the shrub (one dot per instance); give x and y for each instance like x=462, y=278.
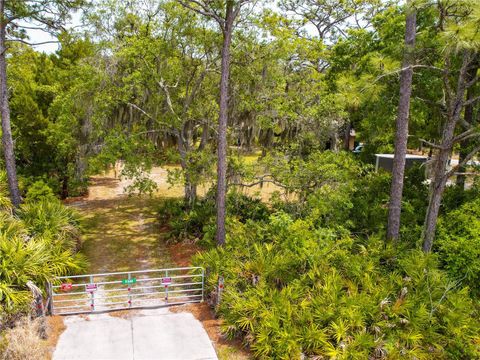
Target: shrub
x=293, y=289
x=36, y=244
x=195, y=222
x=458, y=243
x=454, y=197
x=39, y=191
x=31, y=259
x=5, y=203
x=244, y=207
x=370, y=203
x=185, y=222
x=23, y=342
x=52, y=220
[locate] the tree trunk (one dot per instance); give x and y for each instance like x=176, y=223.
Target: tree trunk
x=468, y=117
x=334, y=141
x=190, y=191
x=7, y=141
x=222, y=127
x=455, y=106
x=460, y=181
x=65, y=179
x=267, y=141
x=346, y=138
x=401, y=135
x=205, y=136
x=436, y=191
x=190, y=195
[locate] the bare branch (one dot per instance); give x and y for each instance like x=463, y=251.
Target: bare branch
x=169, y=126
x=203, y=10
x=267, y=178
x=141, y=110
x=34, y=44
x=432, y=144
x=472, y=132
x=472, y=82
x=471, y=101
x=398, y=71
x=164, y=87
x=463, y=162
x=464, y=124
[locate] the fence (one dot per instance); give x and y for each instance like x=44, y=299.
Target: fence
x=126, y=290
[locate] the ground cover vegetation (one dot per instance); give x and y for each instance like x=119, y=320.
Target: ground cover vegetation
x=254, y=98
x=37, y=242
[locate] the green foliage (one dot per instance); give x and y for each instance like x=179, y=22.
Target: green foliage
x=294, y=289
x=320, y=187
x=48, y=111
x=198, y=221
x=53, y=220
x=36, y=244
x=320, y=168
x=31, y=259
x=370, y=203
x=5, y=203
x=458, y=243
x=454, y=196
x=39, y=191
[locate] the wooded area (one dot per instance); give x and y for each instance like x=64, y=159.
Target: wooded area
x=338, y=260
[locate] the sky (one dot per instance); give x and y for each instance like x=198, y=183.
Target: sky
x=39, y=36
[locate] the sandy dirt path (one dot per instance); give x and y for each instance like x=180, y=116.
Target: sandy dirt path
x=120, y=232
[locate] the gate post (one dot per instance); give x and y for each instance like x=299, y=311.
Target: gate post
x=38, y=308
x=220, y=289
x=129, y=291
x=166, y=287
x=203, y=283
x=49, y=299
x=92, y=296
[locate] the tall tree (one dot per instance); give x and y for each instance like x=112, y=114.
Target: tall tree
x=333, y=19
x=468, y=121
x=459, y=41
x=455, y=103
x=7, y=140
x=224, y=13
x=45, y=15
x=171, y=98
x=401, y=134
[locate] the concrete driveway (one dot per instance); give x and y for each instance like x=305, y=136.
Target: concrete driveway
x=143, y=335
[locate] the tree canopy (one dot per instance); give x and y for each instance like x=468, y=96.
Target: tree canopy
x=238, y=96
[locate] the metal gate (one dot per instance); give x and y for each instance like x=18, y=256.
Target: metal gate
x=126, y=290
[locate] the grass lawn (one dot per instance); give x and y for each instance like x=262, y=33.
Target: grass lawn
x=123, y=234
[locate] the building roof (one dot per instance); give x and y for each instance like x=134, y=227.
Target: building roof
x=408, y=156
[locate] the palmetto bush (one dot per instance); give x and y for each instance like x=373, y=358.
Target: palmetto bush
x=51, y=219
x=294, y=290
x=26, y=259
x=36, y=244
x=5, y=204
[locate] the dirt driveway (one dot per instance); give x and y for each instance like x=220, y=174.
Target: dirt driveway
x=121, y=233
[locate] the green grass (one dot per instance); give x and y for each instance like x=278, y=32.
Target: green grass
x=251, y=159
x=123, y=234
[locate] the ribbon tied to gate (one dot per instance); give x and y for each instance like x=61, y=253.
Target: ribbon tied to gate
x=66, y=287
